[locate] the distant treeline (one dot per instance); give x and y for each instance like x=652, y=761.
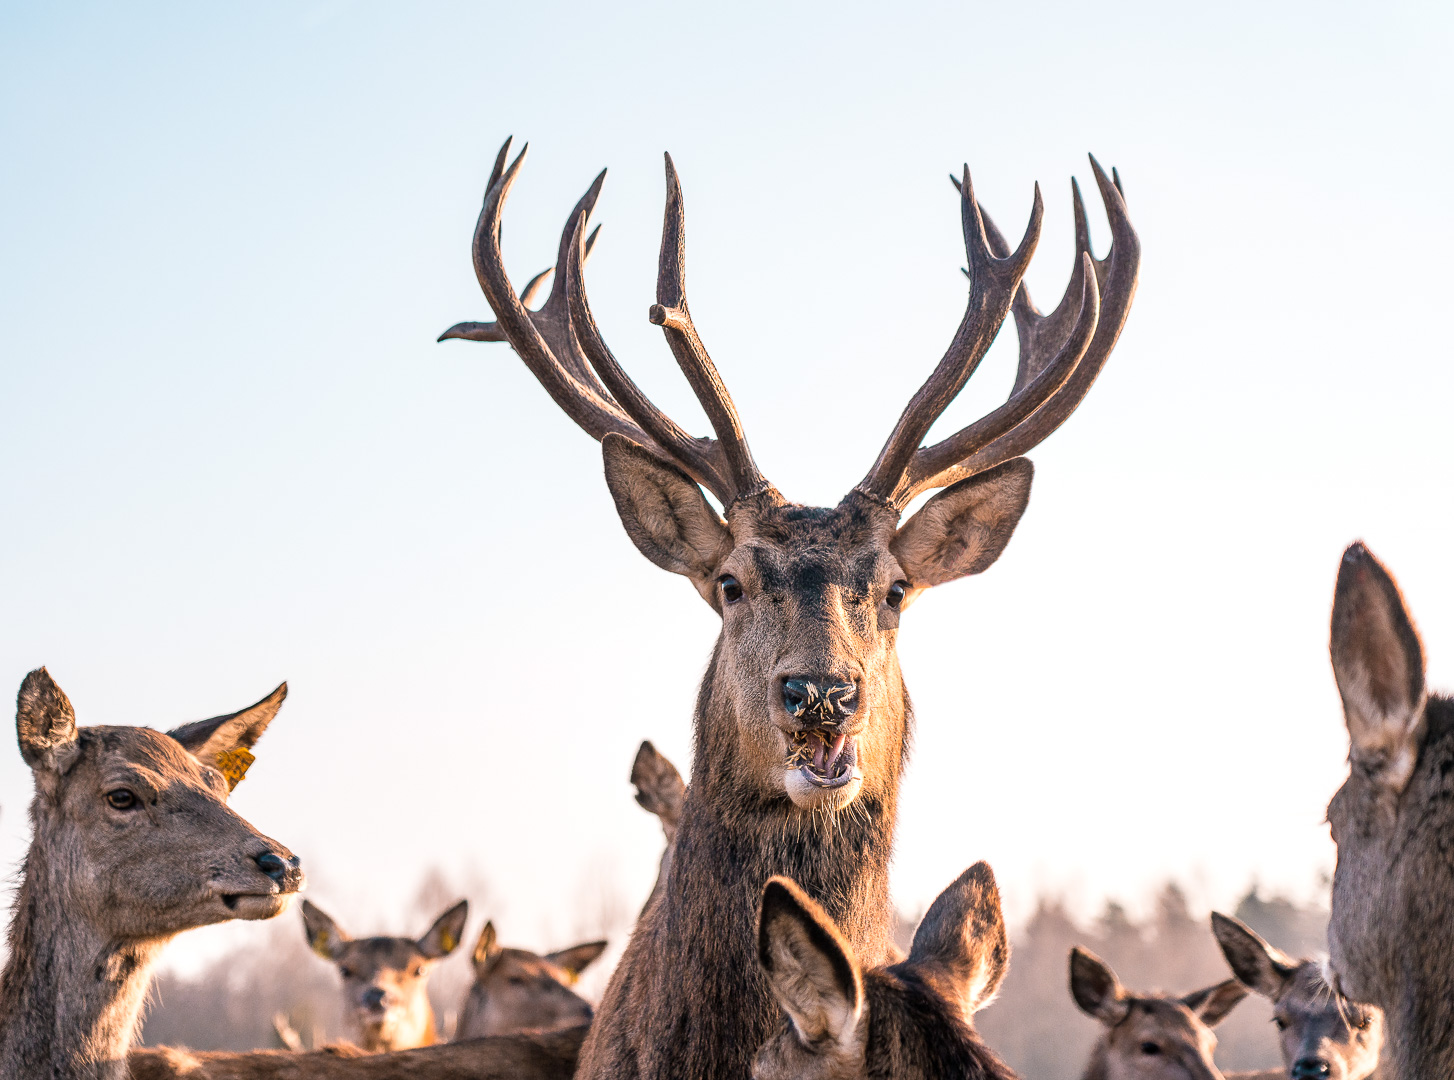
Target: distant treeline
x=1034, y=1024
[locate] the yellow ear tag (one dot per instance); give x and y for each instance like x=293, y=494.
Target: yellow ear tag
x=234, y=764
x=446, y=941
x=320, y=944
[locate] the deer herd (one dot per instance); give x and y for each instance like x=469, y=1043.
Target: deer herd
x=765, y=948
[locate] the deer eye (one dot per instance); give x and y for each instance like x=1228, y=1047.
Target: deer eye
x=1150, y=1048
x=121, y=799
x=731, y=588
x=1362, y=1022
x=1280, y=1023
x=895, y=597
x=346, y=972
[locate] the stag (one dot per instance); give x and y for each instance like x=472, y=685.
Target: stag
x=1392, y=929
x=132, y=843
x=802, y=721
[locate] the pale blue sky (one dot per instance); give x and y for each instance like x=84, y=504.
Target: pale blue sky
x=232, y=452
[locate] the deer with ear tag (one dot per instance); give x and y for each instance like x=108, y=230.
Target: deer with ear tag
x=132, y=843
x=802, y=722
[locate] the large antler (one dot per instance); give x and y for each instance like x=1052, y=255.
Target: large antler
x=563, y=348
x=1060, y=353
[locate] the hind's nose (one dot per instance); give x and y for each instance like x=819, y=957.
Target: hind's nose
x=272, y=865
x=372, y=998
x=1311, y=1068
x=819, y=699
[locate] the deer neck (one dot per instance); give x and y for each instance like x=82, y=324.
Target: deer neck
x=70, y=996
x=1098, y=1067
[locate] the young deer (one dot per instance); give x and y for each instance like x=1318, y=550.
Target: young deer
x=659, y=789
x=132, y=843
x=516, y=990
x=908, y=1020
x=1392, y=930
x=385, y=979
x=1323, y=1035
x=802, y=721
x=1149, y=1036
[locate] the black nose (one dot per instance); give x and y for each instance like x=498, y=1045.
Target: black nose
x=372, y=998
x=273, y=866
x=819, y=699
x=1311, y=1068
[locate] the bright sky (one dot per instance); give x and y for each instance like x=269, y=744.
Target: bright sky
x=232, y=452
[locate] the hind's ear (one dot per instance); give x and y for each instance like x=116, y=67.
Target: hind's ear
x=1096, y=989
x=487, y=948
x=45, y=724
x=963, y=529
x=961, y=941
x=446, y=933
x=325, y=937
x=1257, y=965
x=1378, y=662
x=225, y=742
x=1215, y=1002
x=659, y=787
x=666, y=515
x=810, y=967
x=577, y=958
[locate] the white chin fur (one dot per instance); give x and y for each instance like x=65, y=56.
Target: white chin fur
x=810, y=796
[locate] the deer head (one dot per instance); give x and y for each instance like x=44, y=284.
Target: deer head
x=810, y=598
x=912, y=1019
x=385, y=979
x=1149, y=1036
x=1323, y=1035
x=518, y=990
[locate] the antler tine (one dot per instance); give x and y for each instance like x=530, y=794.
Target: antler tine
x=670, y=312
x=489, y=331
x=937, y=465
x=548, y=349
x=702, y=458
x=994, y=282
x=1116, y=274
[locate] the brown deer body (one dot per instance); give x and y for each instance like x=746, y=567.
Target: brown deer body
x=132, y=844
x=1391, y=935
x=1149, y=1036
x=544, y=1056
x=517, y=990
x=385, y=980
x=1322, y=1035
x=802, y=721
x=912, y=1020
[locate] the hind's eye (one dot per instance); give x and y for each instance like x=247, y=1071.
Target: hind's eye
x=346, y=972
x=121, y=799
x=895, y=597
x=1150, y=1048
x=1280, y=1023
x=731, y=588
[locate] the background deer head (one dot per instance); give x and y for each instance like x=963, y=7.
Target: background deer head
x=518, y=990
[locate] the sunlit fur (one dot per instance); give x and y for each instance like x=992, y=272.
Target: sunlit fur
x=518, y=990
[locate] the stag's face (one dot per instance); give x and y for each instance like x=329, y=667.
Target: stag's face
x=810, y=601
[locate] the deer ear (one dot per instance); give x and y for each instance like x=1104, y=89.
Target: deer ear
x=45, y=724
x=659, y=787
x=1215, y=1002
x=226, y=741
x=962, y=938
x=665, y=514
x=577, y=958
x=963, y=529
x=487, y=948
x=1379, y=666
x=446, y=933
x=1096, y=989
x=325, y=937
x=809, y=965
x=1257, y=965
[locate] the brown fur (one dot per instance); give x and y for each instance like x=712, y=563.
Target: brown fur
x=659, y=789
x=1322, y=1035
x=909, y=1020
x=509, y=1057
x=517, y=990
x=104, y=887
x=385, y=980
x=1392, y=930
x=1149, y=1036
x=816, y=588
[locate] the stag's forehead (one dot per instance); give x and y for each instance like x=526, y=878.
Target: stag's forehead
x=793, y=546
x=374, y=954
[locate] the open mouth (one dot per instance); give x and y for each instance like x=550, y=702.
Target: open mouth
x=255, y=905
x=823, y=757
